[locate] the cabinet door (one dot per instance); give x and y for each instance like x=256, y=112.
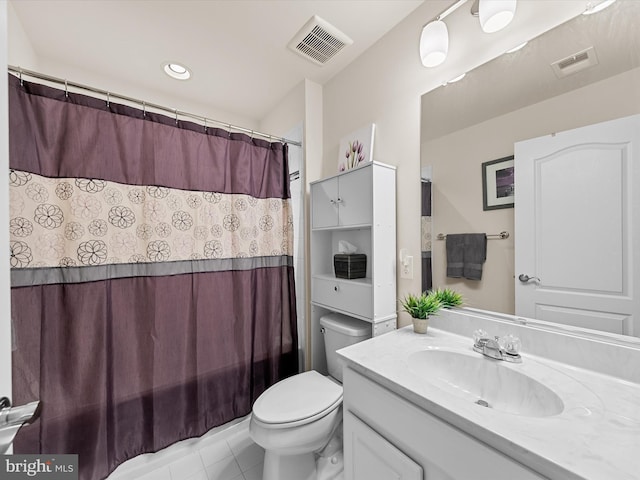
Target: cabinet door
x=355, y=197
x=369, y=456
x=324, y=206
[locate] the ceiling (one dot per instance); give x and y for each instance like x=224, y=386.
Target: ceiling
x=236, y=49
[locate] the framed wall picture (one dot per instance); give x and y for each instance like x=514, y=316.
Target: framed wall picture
x=498, y=187
x=356, y=148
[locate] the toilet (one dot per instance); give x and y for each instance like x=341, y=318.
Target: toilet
x=298, y=421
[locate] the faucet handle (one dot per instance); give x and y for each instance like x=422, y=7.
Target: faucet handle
x=511, y=344
x=480, y=336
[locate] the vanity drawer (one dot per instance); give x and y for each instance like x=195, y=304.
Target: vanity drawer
x=352, y=296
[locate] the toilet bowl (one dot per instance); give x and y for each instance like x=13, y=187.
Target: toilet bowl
x=292, y=420
x=299, y=419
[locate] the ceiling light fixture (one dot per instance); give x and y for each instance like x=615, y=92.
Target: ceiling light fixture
x=176, y=70
x=595, y=8
x=496, y=14
x=434, y=43
x=434, y=39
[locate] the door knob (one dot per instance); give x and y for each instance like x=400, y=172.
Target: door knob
x=524, y=278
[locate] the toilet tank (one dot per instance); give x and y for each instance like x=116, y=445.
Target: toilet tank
x=341, y=331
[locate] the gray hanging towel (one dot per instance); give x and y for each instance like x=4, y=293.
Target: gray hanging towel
x=455, y=254
x=475, y=253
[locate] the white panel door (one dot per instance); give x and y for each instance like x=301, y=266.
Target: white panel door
x=577, y=220
x=372, y=457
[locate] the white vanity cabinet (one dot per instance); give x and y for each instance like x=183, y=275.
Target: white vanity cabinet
x=375, y=458
x=357, y=206
x=405, y=437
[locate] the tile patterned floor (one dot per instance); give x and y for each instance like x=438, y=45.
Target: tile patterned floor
x=225, y=453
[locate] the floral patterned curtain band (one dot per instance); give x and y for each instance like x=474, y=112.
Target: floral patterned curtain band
x=68, y=222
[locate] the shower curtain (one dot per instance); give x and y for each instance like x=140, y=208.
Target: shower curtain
x=152, y=277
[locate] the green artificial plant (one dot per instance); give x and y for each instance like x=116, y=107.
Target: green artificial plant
x=420, y=306
x=447, y=297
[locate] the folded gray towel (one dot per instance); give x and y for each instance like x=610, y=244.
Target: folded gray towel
x=475, y=253
x=455, y=254
x=466, y=252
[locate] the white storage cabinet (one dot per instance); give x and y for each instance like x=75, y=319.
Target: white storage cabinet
x=358, y=206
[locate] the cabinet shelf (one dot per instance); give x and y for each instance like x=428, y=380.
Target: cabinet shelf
x=342, y=228
x=331, y=277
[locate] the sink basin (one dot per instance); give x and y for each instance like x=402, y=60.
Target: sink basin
x=486, y=382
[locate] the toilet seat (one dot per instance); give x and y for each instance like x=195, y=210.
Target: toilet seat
x=297, y=400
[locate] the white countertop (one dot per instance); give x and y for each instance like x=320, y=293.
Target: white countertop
x=596, y=437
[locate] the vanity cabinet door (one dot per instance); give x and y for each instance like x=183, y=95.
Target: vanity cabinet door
x=369, y=456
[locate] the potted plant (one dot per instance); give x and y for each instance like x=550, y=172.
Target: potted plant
x=420, y=307
x=448, y=298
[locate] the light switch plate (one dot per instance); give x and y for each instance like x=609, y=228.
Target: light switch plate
x=406, y=267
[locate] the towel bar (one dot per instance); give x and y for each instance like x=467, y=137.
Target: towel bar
x=500, y=236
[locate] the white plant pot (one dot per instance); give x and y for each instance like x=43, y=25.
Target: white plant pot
x=420, y=325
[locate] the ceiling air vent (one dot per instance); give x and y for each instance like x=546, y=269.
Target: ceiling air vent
x=574, y=63
x=319, y=41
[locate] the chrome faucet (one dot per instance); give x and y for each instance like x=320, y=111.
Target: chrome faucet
x=507, y=348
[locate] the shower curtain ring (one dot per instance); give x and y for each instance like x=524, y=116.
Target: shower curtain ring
x=108, y=100
x=66, y=89
x=21, y=82
x=175, y=110
x=144, y=109
x=229, y=130
x=205, y=125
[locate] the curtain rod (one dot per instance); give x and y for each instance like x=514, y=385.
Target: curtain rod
x=21, y=71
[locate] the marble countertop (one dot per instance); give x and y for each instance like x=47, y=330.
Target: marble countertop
x=595, y=437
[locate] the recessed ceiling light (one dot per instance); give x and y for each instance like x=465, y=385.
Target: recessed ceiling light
x=458, y=78
x=591, y=8
x=176, y=70
x=516, y=48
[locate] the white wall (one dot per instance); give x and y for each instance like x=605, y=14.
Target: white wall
x=303, y=105
x=287, y=114
x=21, y=53
x=5, y=306
x=457, y=180
x=313, y=133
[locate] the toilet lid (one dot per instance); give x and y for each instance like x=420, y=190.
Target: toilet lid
x=296, y=398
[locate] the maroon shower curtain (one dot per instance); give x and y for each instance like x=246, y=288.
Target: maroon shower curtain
x=152, y=277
